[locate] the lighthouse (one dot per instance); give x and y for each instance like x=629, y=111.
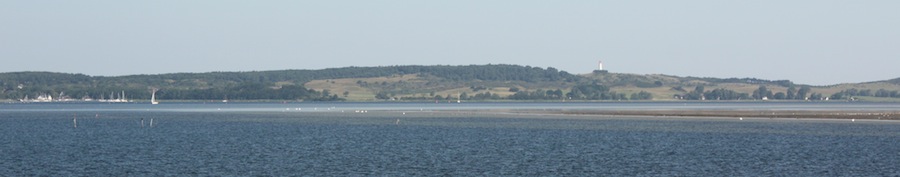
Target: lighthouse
x=600, y=69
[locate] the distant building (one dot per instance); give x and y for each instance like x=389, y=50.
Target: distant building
x=600, y=69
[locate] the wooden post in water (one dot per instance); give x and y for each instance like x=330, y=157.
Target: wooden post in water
x=151, y=122
x=142, y=122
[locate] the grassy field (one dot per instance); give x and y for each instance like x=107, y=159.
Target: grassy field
x=413, y=85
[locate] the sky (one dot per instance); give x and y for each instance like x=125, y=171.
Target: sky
x=819, y=42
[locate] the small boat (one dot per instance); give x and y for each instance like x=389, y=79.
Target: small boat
x=153, y=97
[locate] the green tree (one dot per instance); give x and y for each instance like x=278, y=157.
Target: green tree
x=803, y=92
x=761, y=92
x=837, y=96
x=791, y=93
x=382, y=95
x=780, y=96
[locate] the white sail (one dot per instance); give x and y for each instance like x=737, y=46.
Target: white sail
x=153, y=97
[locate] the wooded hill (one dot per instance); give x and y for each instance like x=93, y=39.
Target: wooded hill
x=427, y=83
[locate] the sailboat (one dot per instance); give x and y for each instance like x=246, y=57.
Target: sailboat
x=113, y=99
x=153, y=97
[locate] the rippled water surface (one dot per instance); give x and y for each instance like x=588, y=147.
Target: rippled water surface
x=390, y=140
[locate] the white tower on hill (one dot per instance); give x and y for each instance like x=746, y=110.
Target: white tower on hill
x=600, y=65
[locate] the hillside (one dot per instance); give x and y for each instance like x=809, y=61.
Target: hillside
x=274, y=85
x=674, y=85
x=661, y=87
x=431, y=83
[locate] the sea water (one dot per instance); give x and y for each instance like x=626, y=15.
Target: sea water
x=370, y=139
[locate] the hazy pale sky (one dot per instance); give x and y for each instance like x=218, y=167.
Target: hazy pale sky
x=807, y=41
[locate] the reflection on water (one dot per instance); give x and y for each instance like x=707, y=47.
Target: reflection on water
x=319, y=140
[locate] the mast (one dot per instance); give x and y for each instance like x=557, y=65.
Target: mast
x=153, y=97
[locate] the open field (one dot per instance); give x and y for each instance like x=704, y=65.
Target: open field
x=414, y=85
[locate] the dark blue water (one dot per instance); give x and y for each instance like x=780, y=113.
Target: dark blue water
x=111, y=142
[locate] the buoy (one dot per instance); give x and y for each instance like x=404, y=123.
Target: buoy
x=142, y=122
x=75, y=120
x=852, y=120
x=742, y=118
x=398, y=121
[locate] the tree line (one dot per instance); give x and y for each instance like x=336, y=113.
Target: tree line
x=248, y=85
x=792, y=93
x=579, y=92
x=700, y=93
x=850, y=93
